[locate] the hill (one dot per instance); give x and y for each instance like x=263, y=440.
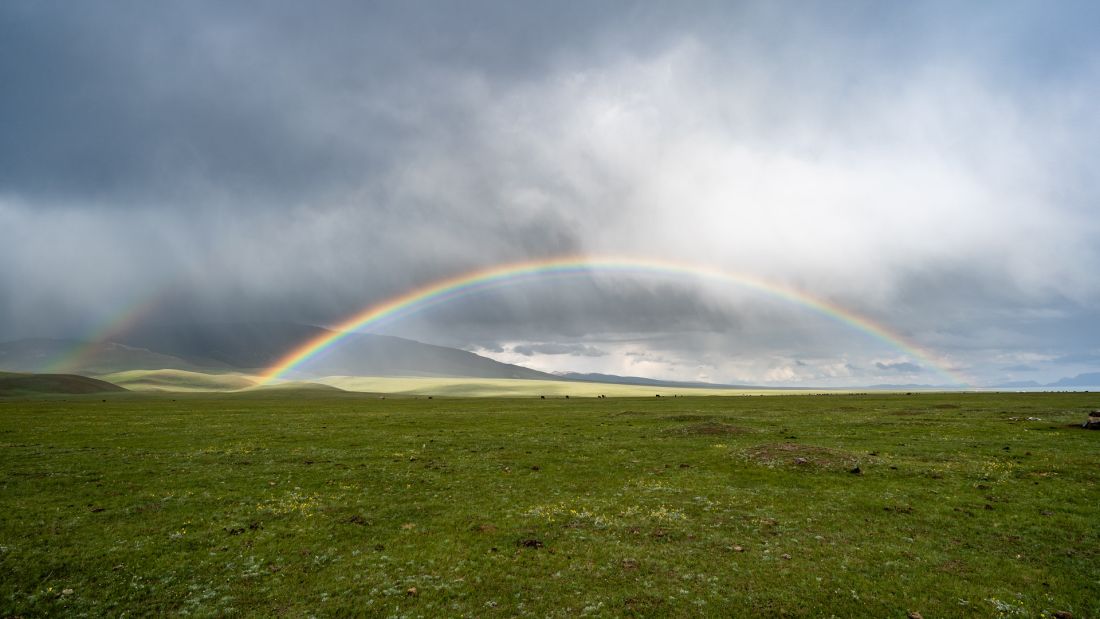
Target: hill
x=1090, y=379
x=40, y=354
x=179, y=380
x=249, y=348
x=254, y=346
x=614, y=379
x=12, y=384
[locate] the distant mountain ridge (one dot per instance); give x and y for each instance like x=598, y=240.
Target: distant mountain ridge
x=595, y=377
x=252, y=347
x=67, y=355
x=1088, y=379
x=256, y=346
x=249, y=348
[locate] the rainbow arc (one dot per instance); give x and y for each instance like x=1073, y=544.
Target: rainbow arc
x=473, y=282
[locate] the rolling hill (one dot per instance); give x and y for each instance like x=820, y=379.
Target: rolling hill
x=178, y=380
x=15, y=384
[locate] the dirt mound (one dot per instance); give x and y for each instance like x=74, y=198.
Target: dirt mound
x=798, y=455
x=707, y=428
x=690, y=417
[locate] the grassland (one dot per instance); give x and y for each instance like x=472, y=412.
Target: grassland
x=189, y=381
x=179, y=380
x=297, y=503
x=513, y=387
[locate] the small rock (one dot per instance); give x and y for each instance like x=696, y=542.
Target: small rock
x=785, y=556
x=856, y=471
x=411, y=592
x=1063, y=614
x=738, y=549
x=801, y=461
x=66, y=592
x=914, y=615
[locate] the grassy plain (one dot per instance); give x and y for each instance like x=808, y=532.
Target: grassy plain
x=515, y=387
x=315, y=503
x=183, y=380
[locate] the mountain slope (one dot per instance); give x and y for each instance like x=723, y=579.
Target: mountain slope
x=39, y=354
x=613, y=379
x=1089, y=379
x=255, y=346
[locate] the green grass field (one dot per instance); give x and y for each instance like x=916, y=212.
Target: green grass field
x=303, y=503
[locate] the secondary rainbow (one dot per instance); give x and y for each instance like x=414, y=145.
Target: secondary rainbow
x=448, y=289
x=117, y=324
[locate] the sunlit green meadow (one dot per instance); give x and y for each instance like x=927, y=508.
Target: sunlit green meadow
x=330, y=504
x=187, y=381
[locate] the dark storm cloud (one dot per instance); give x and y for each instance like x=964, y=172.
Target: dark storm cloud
x=576, y=350
x=137, y=101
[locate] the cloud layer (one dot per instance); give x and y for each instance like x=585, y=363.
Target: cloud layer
x=928, y=167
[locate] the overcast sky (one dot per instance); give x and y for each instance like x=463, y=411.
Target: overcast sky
x=931, y=166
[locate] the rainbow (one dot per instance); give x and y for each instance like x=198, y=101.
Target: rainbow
x=448, y=289
x=118, y=323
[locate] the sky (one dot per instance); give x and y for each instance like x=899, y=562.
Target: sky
x=929, y=166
